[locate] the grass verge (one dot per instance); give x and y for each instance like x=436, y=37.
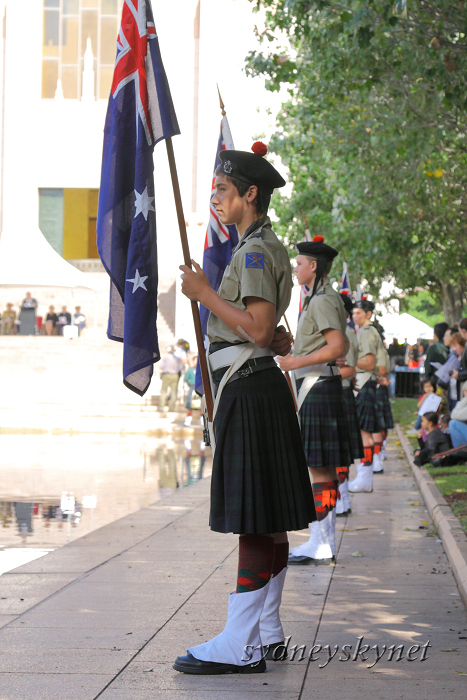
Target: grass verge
x=451, y=481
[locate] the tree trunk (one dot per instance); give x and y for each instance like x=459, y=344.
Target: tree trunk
x=453, y=303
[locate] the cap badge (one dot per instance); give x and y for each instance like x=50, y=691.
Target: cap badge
x=227, y=166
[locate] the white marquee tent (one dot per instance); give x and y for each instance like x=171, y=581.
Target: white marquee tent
x=27, y=259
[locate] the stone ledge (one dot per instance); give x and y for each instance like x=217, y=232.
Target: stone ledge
x=453, y=537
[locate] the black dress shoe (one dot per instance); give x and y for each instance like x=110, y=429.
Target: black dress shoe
x=271, y=648
x=188, y=664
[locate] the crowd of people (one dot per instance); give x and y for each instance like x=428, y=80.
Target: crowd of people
x=28, y=322
x=442, y=408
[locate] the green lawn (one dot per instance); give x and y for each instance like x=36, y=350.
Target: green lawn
x=451, y=481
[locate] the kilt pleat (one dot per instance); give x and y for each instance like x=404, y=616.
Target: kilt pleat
x=366, y=408
x=356, y=444
x=383, y=408
x=260, y=481
x=325, y=431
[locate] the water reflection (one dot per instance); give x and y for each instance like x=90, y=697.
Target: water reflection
x=55, y=489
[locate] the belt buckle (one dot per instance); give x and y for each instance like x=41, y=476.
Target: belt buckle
x=242, y=373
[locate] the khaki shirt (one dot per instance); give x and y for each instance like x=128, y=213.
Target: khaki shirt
x=369, y=341
x=325, y=310
x=260, y=267
x=382, y=357
x=352, y=355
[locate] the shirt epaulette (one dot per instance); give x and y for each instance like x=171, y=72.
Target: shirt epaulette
x=320, y=293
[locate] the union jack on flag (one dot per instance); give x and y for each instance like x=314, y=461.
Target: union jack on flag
x=345, y=282
x=220, y=238
x=140, y=113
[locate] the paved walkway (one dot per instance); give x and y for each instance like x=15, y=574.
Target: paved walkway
x=105, y=616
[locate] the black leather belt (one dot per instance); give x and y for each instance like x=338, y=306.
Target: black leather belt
x=249, y=367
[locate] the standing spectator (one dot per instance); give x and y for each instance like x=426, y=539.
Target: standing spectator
x=437, y=352
x=79, y=319
x=64, y=319
x=8, y=320
x=51, y=321
x=170, y=367
x=189, y=379
x=461, y=375
x=27, y=317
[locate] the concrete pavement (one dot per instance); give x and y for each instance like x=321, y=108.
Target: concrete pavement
x=105, y=616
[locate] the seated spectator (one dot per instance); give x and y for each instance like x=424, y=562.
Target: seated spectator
x=435, y=441
x=64, y=319
x=79, y=319
x=444, y=423
x=458, y=422
x=8, y=320
x=437, y=352
x=51, y=321
x=428, y=388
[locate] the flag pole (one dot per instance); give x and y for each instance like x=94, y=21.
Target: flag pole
x=307, y=230
x=220, y=101
x=187, y=260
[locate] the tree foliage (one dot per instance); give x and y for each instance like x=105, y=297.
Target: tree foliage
x=374, y=132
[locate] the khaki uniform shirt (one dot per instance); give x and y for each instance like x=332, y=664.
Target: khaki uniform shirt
x=325, y=310
x=369, y=342
x=352, y=355
x=382, y=358
x=260, y=267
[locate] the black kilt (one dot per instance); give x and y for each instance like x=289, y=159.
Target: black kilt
x=366, y=408
x=356, y=444
x=260, y=481
x=383, y=408
x=325, y=431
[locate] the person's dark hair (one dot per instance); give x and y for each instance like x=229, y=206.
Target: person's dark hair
x=432, y=417
x=445, y=418
x=463, y=324
x=327, y=264
x=430, y=381
x=454, y=329
x=440, y=329
x=263, y=198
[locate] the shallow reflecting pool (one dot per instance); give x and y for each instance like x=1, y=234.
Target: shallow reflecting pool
x=54, y=489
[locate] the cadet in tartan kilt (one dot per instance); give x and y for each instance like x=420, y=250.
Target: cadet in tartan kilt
x=260, y=484
x=369, y=343
x=383, y=408
x=320, y=341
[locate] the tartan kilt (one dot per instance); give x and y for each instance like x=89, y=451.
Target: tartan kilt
x=260, y=481
x=366, y=408
x=356, y=444
x=325, y=431
x=383, y=408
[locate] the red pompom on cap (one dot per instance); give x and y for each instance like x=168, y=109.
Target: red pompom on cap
x=318, y=239
x=259, y=148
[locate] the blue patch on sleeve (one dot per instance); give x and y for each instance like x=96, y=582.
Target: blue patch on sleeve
x=254, y=261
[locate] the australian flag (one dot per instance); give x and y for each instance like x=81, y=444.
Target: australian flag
x=140, y=113
x=220, y=239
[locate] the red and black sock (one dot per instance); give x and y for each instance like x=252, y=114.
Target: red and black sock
x=325, y=496
x=368, y=458
x=255, y=562
x=378, y=446
x=342, y=474
x=281, y=557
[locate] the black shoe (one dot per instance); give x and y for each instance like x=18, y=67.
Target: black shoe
x=270, y=656
x=188, y=664
x=301, y=560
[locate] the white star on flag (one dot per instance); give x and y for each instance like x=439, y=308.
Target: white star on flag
x=138, y=281
x=143, y=203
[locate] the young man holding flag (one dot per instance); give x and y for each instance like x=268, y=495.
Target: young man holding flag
x=260, y=485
